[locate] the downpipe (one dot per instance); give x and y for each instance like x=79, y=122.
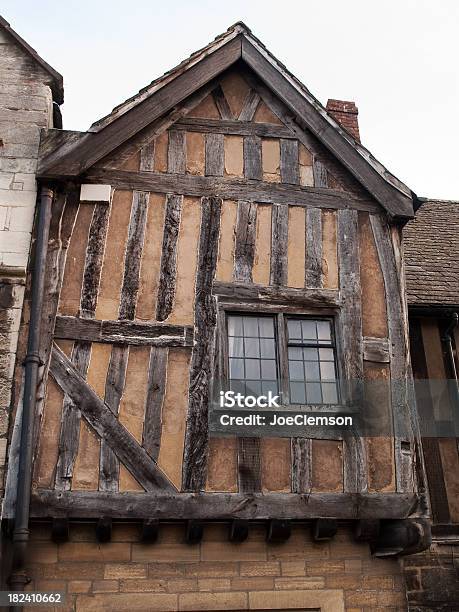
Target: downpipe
x=18, y=578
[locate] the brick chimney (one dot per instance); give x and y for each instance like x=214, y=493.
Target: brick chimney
x=346, y=114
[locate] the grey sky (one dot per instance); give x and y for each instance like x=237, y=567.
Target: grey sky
x=397, y=59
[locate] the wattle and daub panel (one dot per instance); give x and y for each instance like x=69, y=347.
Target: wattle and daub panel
x=226, y=207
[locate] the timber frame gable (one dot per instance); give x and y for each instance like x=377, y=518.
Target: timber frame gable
x=72, y=154
x=227, y=190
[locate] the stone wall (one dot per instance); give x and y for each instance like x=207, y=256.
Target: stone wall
x=299, y=574
x=26, y=106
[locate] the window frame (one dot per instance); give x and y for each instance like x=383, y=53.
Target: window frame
x=281, y=314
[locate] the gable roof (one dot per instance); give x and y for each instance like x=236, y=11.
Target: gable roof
x=57, y=82
x=235, y=45
x=431, y=246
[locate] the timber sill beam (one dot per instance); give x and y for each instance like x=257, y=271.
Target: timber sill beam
x=107, y=426
x=220, y=506
x=123, y=332
x=231, y=189
x=280, y=295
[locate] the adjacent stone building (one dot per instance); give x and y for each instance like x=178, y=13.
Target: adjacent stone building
x=30, y=94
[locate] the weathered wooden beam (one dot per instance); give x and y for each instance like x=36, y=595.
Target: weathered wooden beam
x=222, y=103
x=104, y=529
x=278, y=531
x=279, y=245
x=176, y=156
x=60, y=530
x=122, y=332
x=320, y=174
x=133, y=255
x=399, y=358
x=313, y=255
x=238, y=531
x=376, y=349
x=289, y=166
x=229, y=188
x=106, y=425
x=324, y=529
x=202, y=358
x=157, y=375
x=350, y=320
x=301, y=465
x=252, y=158
x=236, y=128
x=305, y=297
x=249, y=465
x=249, y=106
x=114, y=386
x=246, y=229
x=215, y=157
x=221, y=506
x=168, y=268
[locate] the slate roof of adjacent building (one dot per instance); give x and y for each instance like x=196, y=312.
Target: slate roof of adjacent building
x=431, y=243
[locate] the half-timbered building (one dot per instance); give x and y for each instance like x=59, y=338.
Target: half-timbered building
x=221, y=227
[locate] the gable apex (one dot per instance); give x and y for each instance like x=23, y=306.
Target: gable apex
x=237, y=44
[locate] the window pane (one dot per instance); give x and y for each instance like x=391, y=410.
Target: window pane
x=253, y=387
x=251, y=327
x=296, y=370
x=297, y=394
x=238, y=386
x=309, y=330
x=323, y=330
x=312, y=370
x=294, y=329
x=313, y=393
x=326, y=354
x=329, y=393
x=327, y=370
x=236, y=368
x=252, y=368
x=269, y=385
x=266, y=326
x=310, y=354
x=267, y=347
x=268, y=369
x=252, y=348
x=295, y=352
x=234, y=325
x=236, y=347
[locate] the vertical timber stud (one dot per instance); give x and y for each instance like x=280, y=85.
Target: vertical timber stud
x=320, y=174
x=289, y=167
x=201, y=369
x=154, y=404
x=71, y=415
x=249, y=468
x=399, y=367
x=279, y=245
x=313, y=264
x=116, y=375
x=215, y=154
x=168, y=269
x=355, y=480
x=252, y=158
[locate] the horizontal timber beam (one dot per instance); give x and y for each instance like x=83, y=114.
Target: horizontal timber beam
x=122, y=332
x=238, y=128
x=221, y=506
x=231, y=189
x=263, y=294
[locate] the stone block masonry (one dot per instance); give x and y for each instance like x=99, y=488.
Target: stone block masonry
x=26, y=106
x=124, y=574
